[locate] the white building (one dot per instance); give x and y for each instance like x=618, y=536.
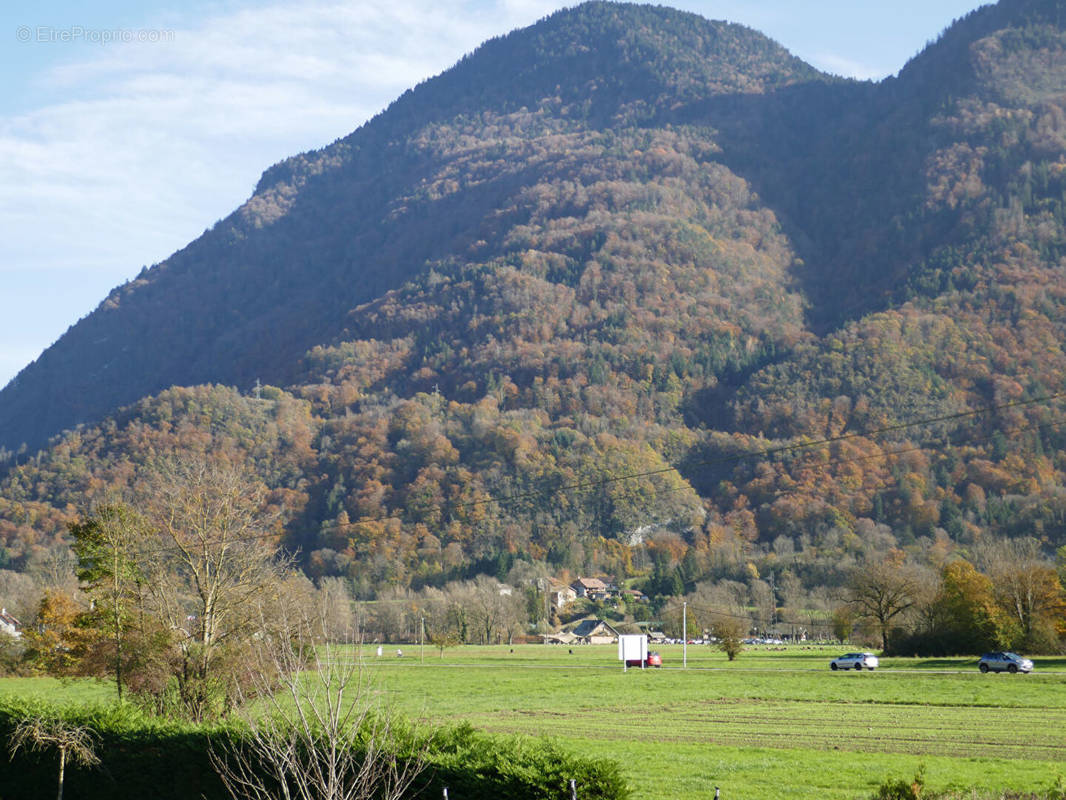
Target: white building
x=9, y=625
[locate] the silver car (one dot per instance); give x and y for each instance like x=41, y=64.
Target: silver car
x=854, y=661
x=1004, y=662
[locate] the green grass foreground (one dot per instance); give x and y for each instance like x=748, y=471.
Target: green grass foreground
x=776, y=723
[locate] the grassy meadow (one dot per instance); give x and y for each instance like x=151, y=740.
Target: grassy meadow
x=776, y=723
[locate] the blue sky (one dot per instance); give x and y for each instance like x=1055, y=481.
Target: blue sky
x=128, y=127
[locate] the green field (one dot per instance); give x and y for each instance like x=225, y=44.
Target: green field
x=773, y=724
x=776, y=723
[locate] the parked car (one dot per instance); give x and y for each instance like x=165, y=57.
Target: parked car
x=854, y=661
x=1004, y=662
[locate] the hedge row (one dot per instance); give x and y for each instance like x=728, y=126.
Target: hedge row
x=144, y=756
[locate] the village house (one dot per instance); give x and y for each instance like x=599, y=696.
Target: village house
x=592, y=588
x=9, y=625
x=595, y=631
x=634, y=596
x=561, y=595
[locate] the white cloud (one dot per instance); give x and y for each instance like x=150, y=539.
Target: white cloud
x=151, y=143
x=165, y=138
x=142, y=146
x=836, y=64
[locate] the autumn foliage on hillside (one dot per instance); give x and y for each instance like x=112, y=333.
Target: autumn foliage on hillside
x=626, y=293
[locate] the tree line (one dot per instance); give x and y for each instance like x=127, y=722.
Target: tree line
x=167, y=591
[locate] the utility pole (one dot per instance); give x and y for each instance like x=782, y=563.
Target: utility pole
x=684, y=635
x=544, y=585
x=422, y=642
x=773, y=603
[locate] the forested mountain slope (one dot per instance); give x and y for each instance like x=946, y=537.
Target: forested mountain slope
x=622, y=241
x=330, y=229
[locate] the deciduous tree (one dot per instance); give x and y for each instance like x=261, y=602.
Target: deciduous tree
x=965, y=615
x=109, y=544
x=1026, y=586
x=729, y=631
x=59, y=640
x=882, y=591
x=214, y=570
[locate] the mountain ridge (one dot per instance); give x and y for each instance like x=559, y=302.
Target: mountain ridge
x=276, y=201
x=509, y=303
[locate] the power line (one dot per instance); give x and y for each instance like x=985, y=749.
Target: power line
x=524, y=497
x=719, y=461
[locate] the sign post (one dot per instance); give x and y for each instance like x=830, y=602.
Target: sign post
x=632, y=647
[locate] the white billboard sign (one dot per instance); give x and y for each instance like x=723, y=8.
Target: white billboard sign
x=633, y=648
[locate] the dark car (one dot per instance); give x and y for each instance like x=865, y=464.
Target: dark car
x=1004, y=662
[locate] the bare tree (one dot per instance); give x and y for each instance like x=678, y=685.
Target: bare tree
x=457, y=604
x=322, y=736
x=678, y=619
x=53, y=568
x=19, y=594
x=821, y=605
x=764, y=602
x=72, y=741
x=216, y=566
x=390, y=615
x=435, y=610
x=493, y=608
x=882, y=591
x=516, y=615
x=723, y=605
x=334, y=603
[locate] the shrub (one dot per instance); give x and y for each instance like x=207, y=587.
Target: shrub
x=147, y=756
x=476, y=766
x=902, y=789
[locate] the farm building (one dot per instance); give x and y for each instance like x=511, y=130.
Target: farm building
x=595, y=631
x=563, y=637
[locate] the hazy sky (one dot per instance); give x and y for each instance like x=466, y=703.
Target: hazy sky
x=128, y=127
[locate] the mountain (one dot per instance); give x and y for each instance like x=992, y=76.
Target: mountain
x=624, y=278
x=328, y=230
